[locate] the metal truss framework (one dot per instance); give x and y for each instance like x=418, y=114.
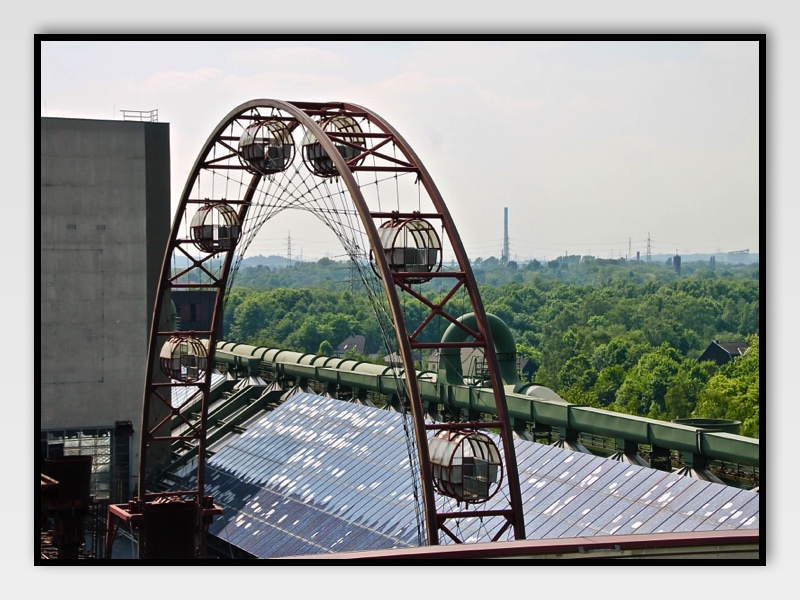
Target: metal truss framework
x=369, y=176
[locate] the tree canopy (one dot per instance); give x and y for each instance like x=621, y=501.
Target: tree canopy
x=620, y=335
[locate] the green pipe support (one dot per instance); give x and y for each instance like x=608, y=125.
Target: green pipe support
x=727, y=446
x=505, y=347
x=611, y=424
x=529, y=402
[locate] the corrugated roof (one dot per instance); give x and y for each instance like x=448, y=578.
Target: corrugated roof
x=315, y=475
x=180, y=394
x=320, y=475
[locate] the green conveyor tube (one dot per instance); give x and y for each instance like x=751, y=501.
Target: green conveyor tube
x=505, y=347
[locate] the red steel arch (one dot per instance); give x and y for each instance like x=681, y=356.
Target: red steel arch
x=361, y=160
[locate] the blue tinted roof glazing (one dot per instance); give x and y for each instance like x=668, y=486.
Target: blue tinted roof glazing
x=320, y=475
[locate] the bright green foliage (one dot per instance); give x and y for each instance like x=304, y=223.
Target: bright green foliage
x=616, y=334
x=607, y=384
x=733, y=393
x=644, y=391
x=577, y=372
x=534, y=355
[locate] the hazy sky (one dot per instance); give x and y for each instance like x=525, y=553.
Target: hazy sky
x=593, y=146
x=587, y=146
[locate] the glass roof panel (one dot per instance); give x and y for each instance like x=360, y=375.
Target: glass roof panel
x=321, y=475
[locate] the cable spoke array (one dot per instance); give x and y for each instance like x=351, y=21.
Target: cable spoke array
x=352, y=171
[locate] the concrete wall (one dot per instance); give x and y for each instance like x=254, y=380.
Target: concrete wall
x=105, y=224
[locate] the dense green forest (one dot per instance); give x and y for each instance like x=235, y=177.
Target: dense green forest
x=616, y=334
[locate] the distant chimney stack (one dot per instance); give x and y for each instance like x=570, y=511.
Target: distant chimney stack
x=504, y=257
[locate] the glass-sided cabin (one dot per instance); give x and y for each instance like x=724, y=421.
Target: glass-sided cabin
x=411, y=246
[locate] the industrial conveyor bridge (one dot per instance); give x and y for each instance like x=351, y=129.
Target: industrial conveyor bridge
x=530, y=406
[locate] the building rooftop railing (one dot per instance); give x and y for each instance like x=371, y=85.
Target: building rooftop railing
x=140, y=115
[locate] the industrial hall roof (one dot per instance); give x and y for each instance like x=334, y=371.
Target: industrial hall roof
x=321, y=475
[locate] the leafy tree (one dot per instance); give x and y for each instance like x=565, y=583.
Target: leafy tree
x=607, y=384
x=623, y=351
x=533, y=265
x=577, y=372
x=733, y=392
x=644, y=390
x=619, y=334
x=533, y=355
x=685, y=387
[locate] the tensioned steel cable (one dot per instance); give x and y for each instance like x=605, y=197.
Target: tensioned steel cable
x=328, y=200
x=377, y=299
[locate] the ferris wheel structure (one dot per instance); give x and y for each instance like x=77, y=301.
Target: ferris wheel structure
x=354, y=172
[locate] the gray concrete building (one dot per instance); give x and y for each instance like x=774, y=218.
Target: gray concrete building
x=104, y=226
